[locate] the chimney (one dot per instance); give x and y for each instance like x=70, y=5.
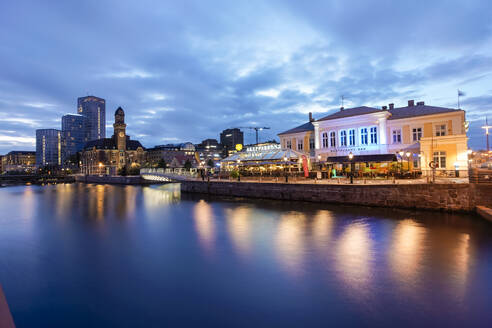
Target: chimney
x=385, y=107
x=411, y=103
x=391, y=106
x=420, y=103
x=310, y=117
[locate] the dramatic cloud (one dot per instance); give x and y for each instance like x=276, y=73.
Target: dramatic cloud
x=185, y=70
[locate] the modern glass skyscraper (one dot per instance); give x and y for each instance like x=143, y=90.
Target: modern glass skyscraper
x=94, y=110
x=48, y=147
x=74, y=134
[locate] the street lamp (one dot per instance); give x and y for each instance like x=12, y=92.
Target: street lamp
x=100, y=167
x=351, y=157
x=238, y=171
x=408, y=160
x=286, y=174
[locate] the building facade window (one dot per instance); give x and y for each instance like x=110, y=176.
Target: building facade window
x=311, y=143
x=440, y=159
x=374, y=135
x=417, y=134
x=289, y=144
x=396, y=136
x=325, y=139
x=299, y=144
x=363, y=136
x=333, y=142
x=352, y=137
x=416, y=162
x=343, y=138
x=440, y=130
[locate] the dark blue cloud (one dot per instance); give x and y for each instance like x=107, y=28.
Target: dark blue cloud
x=186, y=70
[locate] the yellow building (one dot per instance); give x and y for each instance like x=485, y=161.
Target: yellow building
x=416, y=136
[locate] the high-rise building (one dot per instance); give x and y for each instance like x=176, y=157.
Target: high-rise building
x=229, y=138
x=94, y=110
x=48, y=147
x=74, y=135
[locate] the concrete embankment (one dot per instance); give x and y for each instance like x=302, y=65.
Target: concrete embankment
x=446, y=197
x=111, y=179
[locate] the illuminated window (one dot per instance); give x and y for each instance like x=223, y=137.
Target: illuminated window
x=325, y=139
x=396, y=136
x=440, y=159
x=417, y=134
x=374, y=135
x=343, y=138
x=363, y=136
x=333, y=142
x=440, y=130
x=352, y=137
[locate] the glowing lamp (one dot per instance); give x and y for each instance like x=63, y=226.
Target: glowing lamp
x=351, y=156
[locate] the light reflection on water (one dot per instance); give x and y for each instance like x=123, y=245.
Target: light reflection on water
x=369, y=260
x=354, y=258
x=205, y=225
x=239, y=221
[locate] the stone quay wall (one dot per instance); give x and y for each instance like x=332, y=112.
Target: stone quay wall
x=446, y=197
x=112, y=179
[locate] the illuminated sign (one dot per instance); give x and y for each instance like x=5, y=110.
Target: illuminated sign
x=263, y=148
x=239, y=147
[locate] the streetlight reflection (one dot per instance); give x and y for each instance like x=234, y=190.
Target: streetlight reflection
x=204, y=225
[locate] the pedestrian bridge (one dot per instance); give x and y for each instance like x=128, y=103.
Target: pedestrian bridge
x=168, y=175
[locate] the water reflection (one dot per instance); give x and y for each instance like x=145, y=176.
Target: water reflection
x=239, y=228
x=407, y=252
x=290, y=241
x=354, y=257
x=156, y=196
x=322, y=229
x=204, y=225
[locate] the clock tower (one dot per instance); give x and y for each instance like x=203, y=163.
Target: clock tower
x=120, y=129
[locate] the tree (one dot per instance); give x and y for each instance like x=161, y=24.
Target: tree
x=187, y=165
x=123, y=171
x=162, y=164
x=210, y=163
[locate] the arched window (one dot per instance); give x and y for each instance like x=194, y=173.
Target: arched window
x=333, y=139
x=325, y=139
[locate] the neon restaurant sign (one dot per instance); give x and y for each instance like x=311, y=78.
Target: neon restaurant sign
x=258, y=149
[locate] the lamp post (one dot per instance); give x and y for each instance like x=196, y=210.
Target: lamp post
x=401, y=160
x=286, y=174
x=408, y=160
x=238, y=171
x=351, y=157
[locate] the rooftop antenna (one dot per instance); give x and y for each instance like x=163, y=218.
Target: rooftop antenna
x=342, y=100
x=487, y=127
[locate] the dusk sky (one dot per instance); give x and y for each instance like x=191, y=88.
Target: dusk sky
x=185, y=70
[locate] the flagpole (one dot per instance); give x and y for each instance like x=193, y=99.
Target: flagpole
x=458, y=99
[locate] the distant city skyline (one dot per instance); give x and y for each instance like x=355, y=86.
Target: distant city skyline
x=185, y=72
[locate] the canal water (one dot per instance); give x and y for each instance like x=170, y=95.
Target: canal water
x=76, y=255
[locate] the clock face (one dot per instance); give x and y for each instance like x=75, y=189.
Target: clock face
x=121, y=134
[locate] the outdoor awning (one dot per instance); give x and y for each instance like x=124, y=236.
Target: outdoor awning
x=363, y=158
